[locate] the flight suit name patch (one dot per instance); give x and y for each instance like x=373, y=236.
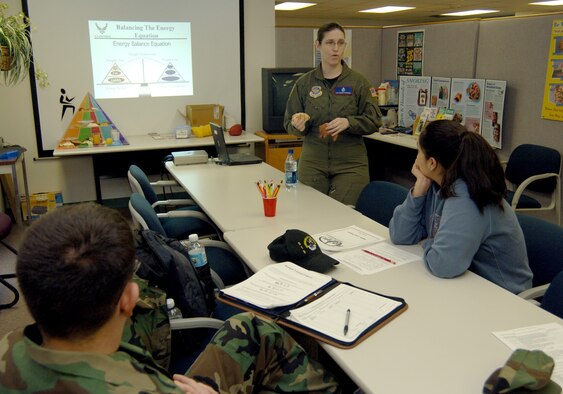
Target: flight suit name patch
x=316, y=91
x=343, y=90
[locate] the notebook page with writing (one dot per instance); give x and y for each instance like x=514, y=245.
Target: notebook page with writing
x=327, y=314
x=278, y=285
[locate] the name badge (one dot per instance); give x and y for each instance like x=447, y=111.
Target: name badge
x=343, y=90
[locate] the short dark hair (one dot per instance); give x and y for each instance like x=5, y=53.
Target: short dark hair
x=73, y=266
x=326, y=28
x=466, y=155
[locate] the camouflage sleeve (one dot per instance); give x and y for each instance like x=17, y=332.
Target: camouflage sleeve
x=249, y=354
x=149, y=327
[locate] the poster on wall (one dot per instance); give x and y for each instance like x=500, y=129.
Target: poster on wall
x=466, y=99
x=414, y=96
x=410, y=52
x=491, y=128
x=552, y=107
x=440, y=95
x=347, y=56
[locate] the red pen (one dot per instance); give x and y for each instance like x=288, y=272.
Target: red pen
x=378, y=256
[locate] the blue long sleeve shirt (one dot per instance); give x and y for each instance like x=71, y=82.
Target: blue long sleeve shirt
x=460, y=238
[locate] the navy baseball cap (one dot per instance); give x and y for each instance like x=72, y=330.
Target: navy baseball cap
x=300, y=248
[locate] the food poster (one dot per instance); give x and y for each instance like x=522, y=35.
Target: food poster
x=410, y=52
x=491, y=129
x=414, y=96
x=440, y=96
x=552, y=107
x=466, y=99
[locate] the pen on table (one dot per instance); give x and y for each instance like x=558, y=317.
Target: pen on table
x=346, y=321
x=378, y=256
x=308, y=299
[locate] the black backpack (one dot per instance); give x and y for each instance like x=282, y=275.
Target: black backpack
x=165, y=263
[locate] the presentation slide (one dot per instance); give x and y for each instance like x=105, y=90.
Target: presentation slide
x=143, y=61
x=134, y=59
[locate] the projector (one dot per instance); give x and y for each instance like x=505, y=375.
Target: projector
x=190, y=157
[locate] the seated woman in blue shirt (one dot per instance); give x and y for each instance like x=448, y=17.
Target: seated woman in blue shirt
x=457, y=204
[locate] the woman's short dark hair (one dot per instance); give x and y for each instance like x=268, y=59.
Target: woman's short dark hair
x=468, y=156
x=326, y=28
x=73, y=266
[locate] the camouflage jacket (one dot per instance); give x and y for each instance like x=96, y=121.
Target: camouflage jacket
x=27, y=367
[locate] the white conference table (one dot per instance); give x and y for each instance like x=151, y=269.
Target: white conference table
x=400, y=139
x=229, y=196
x=443, y=342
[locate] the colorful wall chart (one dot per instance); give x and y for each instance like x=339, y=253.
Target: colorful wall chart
x=552, y=107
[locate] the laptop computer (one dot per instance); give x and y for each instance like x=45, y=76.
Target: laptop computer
x=226, y=158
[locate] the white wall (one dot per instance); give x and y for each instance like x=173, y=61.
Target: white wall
x=75, y=176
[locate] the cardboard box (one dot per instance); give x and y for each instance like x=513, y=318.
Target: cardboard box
x=42, y=203
x=199, y=115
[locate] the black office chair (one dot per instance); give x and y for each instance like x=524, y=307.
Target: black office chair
x=379, y=199
x=537, y=169
x=5, y=228
x=552, y=300
x=544, y=245
x=140, y=183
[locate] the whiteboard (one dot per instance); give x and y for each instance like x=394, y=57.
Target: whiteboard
x=60, y=40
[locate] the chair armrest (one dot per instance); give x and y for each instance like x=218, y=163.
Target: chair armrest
x=191, y=214
x=534, y=292
x=164, y=183
x=520, y=189
x=195, y=322
x=175, y=202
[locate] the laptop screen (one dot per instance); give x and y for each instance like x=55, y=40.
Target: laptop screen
x=220, y=144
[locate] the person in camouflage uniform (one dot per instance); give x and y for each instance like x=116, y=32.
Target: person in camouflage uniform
x=333, y=107
x=75, y=269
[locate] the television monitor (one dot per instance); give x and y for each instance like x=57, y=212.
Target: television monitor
x=276, y=86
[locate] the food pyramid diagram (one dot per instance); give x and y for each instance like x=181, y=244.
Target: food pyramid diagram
x=91, y=127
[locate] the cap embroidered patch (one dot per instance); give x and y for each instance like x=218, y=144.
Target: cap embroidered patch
x=343, y=90
x=316, y=91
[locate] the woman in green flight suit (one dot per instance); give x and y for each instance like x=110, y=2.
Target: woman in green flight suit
x=334, y=158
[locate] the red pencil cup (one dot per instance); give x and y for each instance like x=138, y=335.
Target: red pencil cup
x=269, y=206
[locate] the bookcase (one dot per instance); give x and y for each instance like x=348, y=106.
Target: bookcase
x=273, y=150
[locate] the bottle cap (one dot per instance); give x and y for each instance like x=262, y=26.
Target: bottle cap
x=193, y=238
x=170, y=303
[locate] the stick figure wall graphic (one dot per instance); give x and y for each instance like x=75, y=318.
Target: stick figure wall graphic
x=66, y=103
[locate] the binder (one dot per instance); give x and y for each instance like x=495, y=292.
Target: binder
x=323, y=312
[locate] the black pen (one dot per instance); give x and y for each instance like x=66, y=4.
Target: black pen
x=346, y=321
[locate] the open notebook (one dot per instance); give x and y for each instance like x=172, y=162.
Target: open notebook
x=226, y=158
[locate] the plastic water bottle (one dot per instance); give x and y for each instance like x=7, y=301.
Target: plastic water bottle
x=173, y=311
x=198, y=259
x=197, y=253
x=290, y=170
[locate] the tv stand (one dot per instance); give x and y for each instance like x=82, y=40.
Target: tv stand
x=273, y=150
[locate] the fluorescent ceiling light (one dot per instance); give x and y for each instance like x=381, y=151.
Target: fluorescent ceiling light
x=292, y=6
x=553, y=2
x=470, y=12
x=389, y=8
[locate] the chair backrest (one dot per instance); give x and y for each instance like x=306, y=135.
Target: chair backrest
x=140, y=183
x=143, y=213
x=544, y=244
x=528, y=160
x=379, y=199
x=552, y=300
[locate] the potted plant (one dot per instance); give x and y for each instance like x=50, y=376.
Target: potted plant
x=15, y=46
